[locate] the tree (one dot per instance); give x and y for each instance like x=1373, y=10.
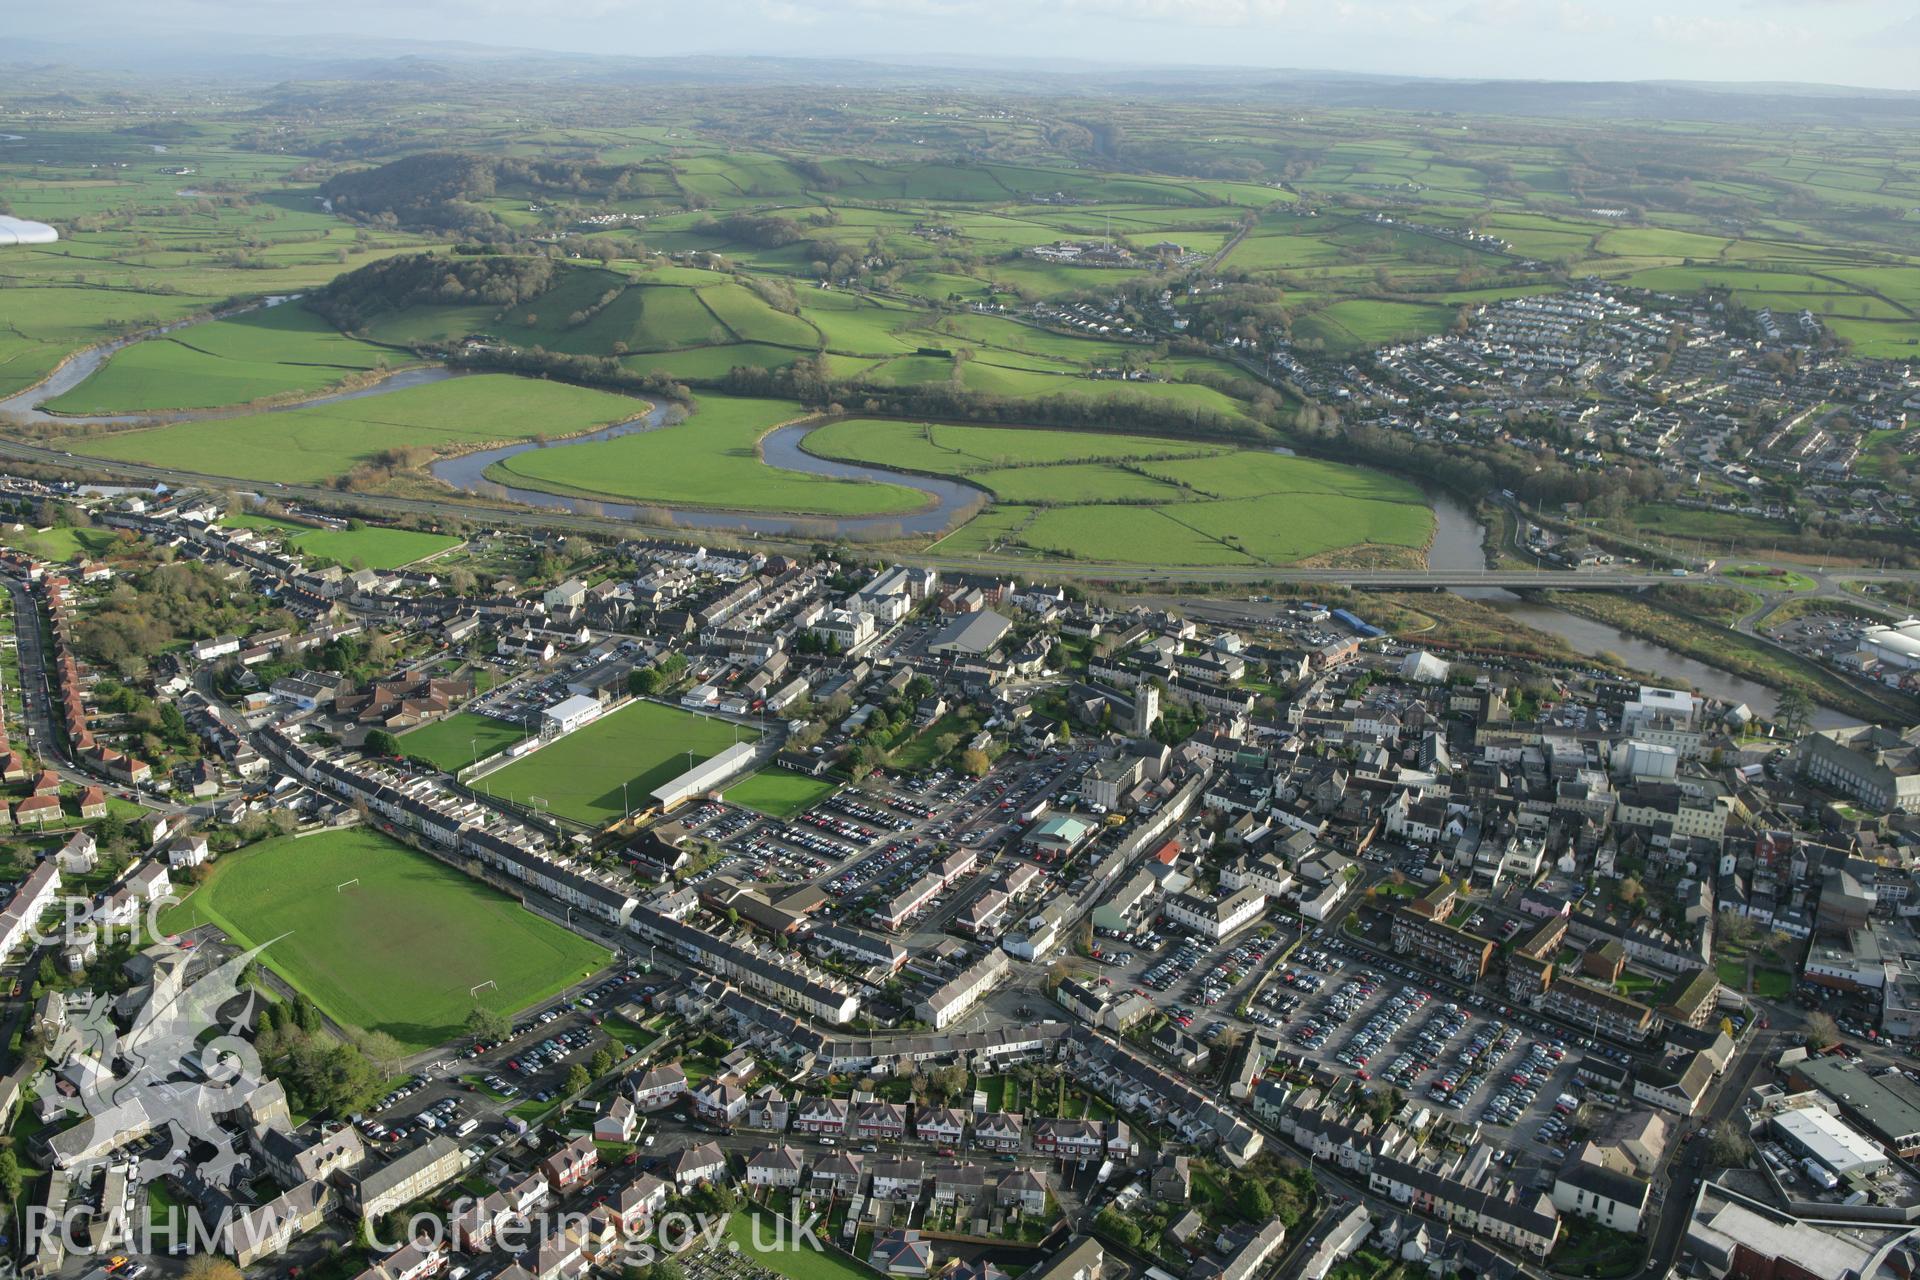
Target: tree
x=385, y=1053
x=600, y=1063
x=1822, y=1030
x=488, y=1024
x=1118, y=1227
x=1727, y=1146
x=209, y=1266
x=1632, y=892
x=1794, y=711
x=1735, y=927
x=381, y=743
x=1252, y=1200
x=11, y=1178
x=974, y=762
x=578, y=1079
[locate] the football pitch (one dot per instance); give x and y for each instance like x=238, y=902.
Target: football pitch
x=382, y=937
x=456, y=742
x=643, y=744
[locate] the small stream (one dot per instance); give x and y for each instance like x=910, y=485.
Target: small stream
x=1459, y=544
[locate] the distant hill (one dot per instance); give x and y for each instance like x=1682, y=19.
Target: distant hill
x=352, y=301
x=35, y=65
x=439, y=190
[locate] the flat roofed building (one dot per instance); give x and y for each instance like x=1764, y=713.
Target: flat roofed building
x=1813, y=1133
x=971, y=635
x=569, y=714
x=1887, y=1107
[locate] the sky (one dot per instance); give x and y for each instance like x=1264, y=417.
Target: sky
x=1874, y=43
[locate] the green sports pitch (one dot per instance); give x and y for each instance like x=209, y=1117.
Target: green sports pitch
x=385, y=938
x=643, y=745
x=456, y=742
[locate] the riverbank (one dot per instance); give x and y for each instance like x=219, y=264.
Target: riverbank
x=691, y=465
x=1730, y=651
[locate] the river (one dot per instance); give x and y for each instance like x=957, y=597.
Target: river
x=25, y=405
x=780, y=448
x=1459, y=543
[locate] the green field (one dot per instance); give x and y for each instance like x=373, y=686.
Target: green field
x=307, y=446
x=644, y=744
x=371, y=547
x=1364, y=323
x=710, y=460
x=962, y=451
x=779, y=793
x=61, y=544
x=457, y=741
x=1137, y=499
x=401, y=950
x=790, y=1260
x=281, y=351
x=879, y=252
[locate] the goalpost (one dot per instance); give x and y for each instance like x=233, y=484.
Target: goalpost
x=344, y=885
x=478, y=987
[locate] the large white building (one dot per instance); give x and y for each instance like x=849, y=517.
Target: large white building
x=845, y=629
x=21, y=231
x=1813, y=1133
x=566, y=716
x=1896, y=646
x=1217, y=920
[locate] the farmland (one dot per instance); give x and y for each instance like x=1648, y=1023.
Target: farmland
x=311, y=445
x=400, y=947
x=1095, y=497
x=145, y=247
x=643, y=745
x=919, y=276
x=277, y=352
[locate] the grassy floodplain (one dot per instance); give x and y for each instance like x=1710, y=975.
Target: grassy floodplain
x=279, y=351
x=308, y=446
x=712, y=460
x=1138, y=499
x=400, y=950
x=643, y=745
